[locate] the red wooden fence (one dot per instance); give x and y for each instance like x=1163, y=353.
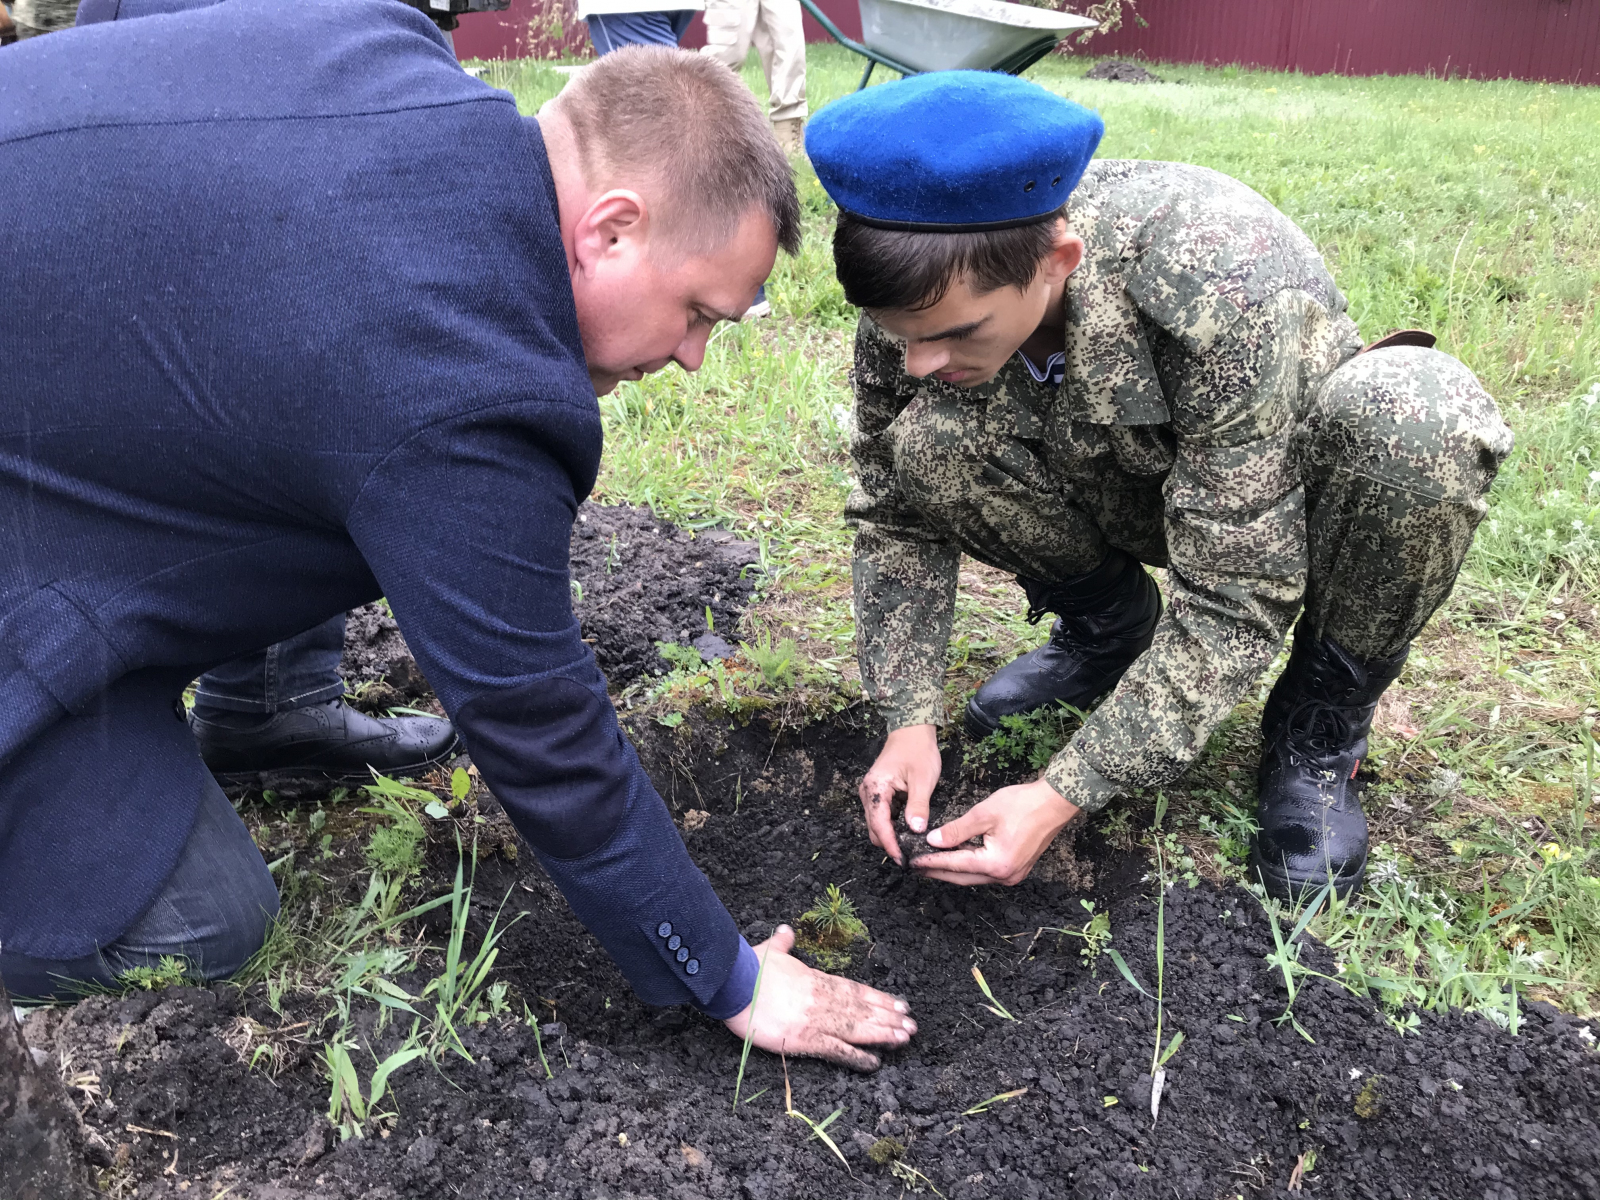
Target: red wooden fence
x=1556, y=40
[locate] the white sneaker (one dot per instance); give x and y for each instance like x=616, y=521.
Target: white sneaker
x=759, y=308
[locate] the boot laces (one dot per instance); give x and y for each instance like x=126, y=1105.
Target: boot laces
x=1318, y=730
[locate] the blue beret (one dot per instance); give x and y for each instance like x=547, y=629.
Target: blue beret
x=952, y=151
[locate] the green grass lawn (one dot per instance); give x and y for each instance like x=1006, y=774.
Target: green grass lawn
x=1471, y=209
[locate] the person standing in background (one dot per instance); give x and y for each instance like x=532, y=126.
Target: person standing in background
x=33, y=17
x=730, y=26
x=774, y=27
x=614, y=24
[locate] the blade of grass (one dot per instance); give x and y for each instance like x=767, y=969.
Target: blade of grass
x=994, y=1005
x=749, y=1033
x=1172, y=1048
x=1121, y=966
x=817, y=1131
x=529, y=1018
x=983, y=1106
x=1161, y=937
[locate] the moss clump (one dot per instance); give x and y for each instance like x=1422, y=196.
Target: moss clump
x=1369, y=1101
x=886, y=1150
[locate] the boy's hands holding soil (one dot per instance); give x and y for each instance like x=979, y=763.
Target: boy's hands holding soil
x=805, y=1011
x=909, y=765
x=1015, y=825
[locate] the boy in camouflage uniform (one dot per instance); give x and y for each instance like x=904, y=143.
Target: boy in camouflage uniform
x=1160, y=371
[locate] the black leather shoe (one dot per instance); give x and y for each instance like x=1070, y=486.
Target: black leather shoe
x=1314, y=736
x=1107, y=618
x=331, y=740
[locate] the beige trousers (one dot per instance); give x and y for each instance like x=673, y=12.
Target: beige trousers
x=775, y=29
x=34, y=17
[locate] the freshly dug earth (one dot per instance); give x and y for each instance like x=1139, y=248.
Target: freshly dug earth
x=646, y=581
x=641, y=1102
x=639, y=581
x=1120, y=70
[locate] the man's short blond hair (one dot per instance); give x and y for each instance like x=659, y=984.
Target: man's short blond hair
x=686, y=128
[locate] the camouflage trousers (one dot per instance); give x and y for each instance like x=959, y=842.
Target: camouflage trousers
x=1396, y=452
x=34, y=17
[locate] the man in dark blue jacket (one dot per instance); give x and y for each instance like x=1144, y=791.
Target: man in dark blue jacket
x=309, y=316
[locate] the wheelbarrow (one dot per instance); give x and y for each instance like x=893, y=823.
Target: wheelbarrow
x=913, y=36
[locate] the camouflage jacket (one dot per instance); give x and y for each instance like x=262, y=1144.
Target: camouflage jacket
x=1198, y=327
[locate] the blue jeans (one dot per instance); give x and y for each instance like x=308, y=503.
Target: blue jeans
x=612, y=31
x=214, y=911
x=292, y=673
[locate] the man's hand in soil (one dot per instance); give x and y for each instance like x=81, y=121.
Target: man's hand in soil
x=1016, y=824
x=908, y=765
x=803, y=1011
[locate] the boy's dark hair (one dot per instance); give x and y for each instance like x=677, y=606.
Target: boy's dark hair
x=911, y=269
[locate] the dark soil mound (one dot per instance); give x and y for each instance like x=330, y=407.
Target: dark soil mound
x=1120, y=70
x=640, y=1103
x=646, y=581
x=377, y=667
x=640, y=581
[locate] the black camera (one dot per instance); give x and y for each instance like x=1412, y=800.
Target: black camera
x=446, y=13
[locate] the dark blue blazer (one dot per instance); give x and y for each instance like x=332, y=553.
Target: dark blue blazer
x=287, y=326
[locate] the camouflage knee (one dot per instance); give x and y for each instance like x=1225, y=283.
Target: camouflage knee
x=1397, y=452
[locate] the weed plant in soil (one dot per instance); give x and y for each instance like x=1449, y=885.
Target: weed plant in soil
x=1468, y=208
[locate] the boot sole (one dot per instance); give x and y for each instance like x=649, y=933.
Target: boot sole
x=975, y=724
x=1283, y=884
x=336, y=776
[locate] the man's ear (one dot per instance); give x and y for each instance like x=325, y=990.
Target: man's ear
x=616, y=223
x=1064, y=257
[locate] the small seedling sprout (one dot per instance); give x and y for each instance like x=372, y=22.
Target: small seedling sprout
x=778, y=664
x=829, y=926
x=1095, y=932
x=994, y=1005
x=349, y=1109
x=531, y=1019
x=833, y=915
x=983, y=1106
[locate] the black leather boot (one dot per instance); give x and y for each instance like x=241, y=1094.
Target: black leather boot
x=331, y=740
x=1107, y=618
x=1314, y=736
